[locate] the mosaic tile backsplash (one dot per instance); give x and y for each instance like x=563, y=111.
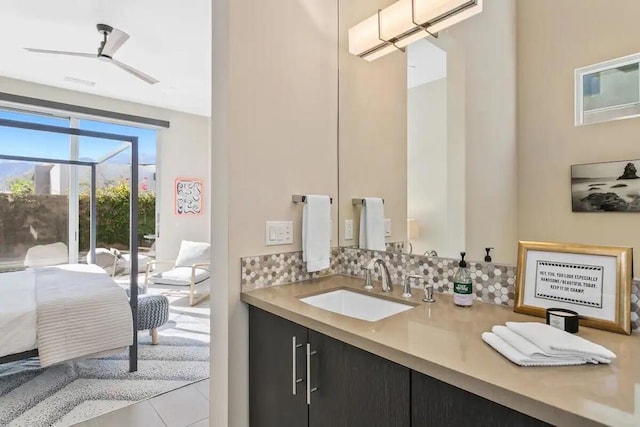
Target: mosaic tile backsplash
x=493, y=283
x=278, y=269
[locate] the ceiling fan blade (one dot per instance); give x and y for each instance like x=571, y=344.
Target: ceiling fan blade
x=61, y=52
x=115, y=40
x=139, y=74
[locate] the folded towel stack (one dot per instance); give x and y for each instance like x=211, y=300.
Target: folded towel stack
x=538, y=344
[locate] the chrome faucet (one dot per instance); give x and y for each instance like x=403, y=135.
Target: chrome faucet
x=386, y=276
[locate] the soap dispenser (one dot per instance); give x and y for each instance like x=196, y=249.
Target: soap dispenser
x=487, y=257
x=462, y=286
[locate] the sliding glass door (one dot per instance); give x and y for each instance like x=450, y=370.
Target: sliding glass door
x=47, y=203
x=34, y=205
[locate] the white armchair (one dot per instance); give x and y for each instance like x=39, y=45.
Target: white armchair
x=191, y=269
x=47, y=255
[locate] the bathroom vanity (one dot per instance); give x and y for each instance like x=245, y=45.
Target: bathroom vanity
x=426, y=366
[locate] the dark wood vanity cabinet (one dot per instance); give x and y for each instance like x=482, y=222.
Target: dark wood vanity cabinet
x=356, y=388
x=348, y=386
x=438, y=404
x=271, y=347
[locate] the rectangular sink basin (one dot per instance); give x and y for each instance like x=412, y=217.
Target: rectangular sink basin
x=357, y=305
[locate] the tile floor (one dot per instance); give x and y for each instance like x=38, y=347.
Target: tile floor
x=185, y=407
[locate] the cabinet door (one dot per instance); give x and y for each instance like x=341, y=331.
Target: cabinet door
x=272, y=402
x=435, y=404
x=356, y=388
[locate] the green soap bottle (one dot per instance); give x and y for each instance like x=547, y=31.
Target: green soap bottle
x=462, y=286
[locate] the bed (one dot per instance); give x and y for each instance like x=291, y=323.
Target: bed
x=66, y=312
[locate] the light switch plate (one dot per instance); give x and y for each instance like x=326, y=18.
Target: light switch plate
x=278, y=233
x=387, y=227
x=348, y=229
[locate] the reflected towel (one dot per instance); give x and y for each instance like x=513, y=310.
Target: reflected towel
x=372, y=224
x=316, y=232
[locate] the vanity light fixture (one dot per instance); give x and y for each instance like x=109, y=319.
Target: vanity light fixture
x=405, y=21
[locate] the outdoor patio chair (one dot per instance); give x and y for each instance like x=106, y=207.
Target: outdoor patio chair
x=47, y=255
x=191, y=268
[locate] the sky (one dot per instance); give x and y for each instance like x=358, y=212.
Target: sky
x=30, y=143
x=602, y=170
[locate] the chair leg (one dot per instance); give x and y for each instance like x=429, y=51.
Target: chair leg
x=192, y=296
x=154, y=336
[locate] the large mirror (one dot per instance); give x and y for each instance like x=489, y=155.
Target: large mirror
x=421, y=130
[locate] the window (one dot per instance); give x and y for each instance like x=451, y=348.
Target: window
x=43, y=203
x=608, y=91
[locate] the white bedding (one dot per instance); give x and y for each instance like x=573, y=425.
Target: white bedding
x=18, y=310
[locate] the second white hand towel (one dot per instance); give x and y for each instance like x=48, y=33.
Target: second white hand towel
x=316, y=233
x=511, y=353
x=525, y=346
x=372, y=224
x=560, y=343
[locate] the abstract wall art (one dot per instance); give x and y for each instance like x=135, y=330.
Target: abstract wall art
x=188, y=196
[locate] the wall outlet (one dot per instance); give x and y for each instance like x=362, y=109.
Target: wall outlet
x=387, y=227
x=348, y=229
x=278, y=233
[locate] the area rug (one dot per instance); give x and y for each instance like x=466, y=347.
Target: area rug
x=69, y=393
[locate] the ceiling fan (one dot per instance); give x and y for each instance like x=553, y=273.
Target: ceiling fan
x=112, y=41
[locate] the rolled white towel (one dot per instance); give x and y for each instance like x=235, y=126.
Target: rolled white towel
x=555, y=342
x=511, y=353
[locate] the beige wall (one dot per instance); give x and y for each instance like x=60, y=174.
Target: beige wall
x=183, y=151
x=373, y=127
x=575, y=33
x=274, y=134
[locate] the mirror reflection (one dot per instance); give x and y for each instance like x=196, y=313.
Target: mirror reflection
x=432, y=132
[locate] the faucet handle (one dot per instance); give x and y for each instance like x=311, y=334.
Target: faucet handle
x=406, y=289
x=368, y=285
x=428, y=293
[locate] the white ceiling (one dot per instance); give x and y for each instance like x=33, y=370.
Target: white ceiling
x=170, y=40
x=426, y=62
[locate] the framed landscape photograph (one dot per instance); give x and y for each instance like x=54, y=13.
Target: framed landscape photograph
x=594, y=281
x=606, y=187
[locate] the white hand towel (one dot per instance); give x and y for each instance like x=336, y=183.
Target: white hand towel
x=316, y=232
x=524, y=346
x=511, y=353
x=372, y=224
x=556, y=342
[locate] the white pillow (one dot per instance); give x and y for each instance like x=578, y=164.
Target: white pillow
x=46, y=255
x=193, y=253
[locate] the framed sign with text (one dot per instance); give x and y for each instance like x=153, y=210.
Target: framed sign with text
x=594, y=281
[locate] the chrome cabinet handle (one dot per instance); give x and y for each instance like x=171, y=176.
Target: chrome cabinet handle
x=294, y=367
x=309, y=389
